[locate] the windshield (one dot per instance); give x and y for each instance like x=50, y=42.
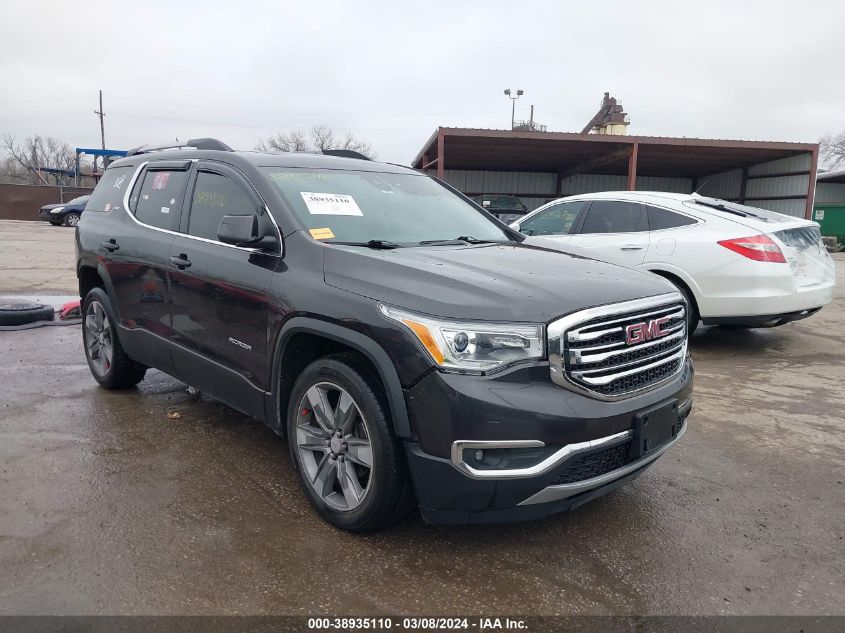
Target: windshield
x=363, y=206
x=79, y=200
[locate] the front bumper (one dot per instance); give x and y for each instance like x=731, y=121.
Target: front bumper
x=447, y=497
x=590, y=443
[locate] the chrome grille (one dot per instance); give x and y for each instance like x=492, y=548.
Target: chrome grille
x=591, y=352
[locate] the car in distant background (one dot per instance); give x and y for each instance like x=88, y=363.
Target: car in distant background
x=507, y=208
x=66, y=214
x=735, y=264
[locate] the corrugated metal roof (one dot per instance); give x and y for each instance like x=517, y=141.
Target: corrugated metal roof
x=632, y=136
x=487, y=148
x=832, y=176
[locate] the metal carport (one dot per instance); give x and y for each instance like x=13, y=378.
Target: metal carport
x=539, y=166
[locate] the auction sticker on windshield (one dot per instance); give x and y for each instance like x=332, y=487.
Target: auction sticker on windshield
x=321, y=234
x=330, y=204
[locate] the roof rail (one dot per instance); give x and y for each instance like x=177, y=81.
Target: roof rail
x=345, y=153
x=194, y=143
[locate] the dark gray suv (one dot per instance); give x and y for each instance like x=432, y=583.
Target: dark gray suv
x=410, y=346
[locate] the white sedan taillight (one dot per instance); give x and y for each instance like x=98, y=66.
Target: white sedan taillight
x=760, y=248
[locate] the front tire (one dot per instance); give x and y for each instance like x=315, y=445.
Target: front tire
x=109, y=364
x=71, y=219
x=342, y=446
x=692, y=308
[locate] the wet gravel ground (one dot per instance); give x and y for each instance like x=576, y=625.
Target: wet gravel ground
x=109, y=506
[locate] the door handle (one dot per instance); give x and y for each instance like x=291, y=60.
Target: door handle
x=181, y=262
x=630, y=247
x=110, y=245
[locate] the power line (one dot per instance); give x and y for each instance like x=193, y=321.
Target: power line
x=273, y=126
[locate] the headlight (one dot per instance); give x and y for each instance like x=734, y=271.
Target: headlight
x=472, y=347
x=57, y=210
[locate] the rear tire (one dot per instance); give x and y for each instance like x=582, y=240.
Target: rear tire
x=109, y=364
x=341, y=443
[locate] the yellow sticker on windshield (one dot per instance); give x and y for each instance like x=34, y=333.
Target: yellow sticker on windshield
x=322, y=234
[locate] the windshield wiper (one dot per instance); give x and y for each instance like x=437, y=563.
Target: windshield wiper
x=442, y=243
x=463, y=239
x=377, y=244
x=474, y=240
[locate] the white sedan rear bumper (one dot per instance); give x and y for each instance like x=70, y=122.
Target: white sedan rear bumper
x=749, y=288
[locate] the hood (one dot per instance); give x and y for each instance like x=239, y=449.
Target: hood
x=47, y=207
x=492, y=282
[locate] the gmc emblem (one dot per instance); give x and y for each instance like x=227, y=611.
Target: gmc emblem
x=645, y=331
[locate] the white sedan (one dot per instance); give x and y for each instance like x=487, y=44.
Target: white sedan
x=735, y=264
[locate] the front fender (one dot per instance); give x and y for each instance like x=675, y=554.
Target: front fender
x=361, y=343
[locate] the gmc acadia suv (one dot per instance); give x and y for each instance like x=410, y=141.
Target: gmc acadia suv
x=407, y=343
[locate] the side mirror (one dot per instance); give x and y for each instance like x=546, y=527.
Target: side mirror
x=237, y=229
x=242, y=230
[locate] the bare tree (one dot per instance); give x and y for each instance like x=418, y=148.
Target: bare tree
x=38, y=152
x=291, y=142
x=321, y=138
x=12, y=171
x=832, y=149
x=356, y=145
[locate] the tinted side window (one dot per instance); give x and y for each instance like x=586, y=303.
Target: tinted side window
x=216, y=196
x=663, y=219
x=609, y=216
x=108, y=196
x=556, y=220
x=160, y=198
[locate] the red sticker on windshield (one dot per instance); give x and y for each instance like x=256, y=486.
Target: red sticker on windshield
x=160, y=179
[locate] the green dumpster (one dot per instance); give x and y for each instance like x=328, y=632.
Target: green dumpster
x=831, y=217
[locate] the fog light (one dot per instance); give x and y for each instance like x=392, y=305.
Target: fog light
x=506, y=458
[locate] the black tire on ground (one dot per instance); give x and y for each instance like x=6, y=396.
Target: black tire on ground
x=71, y=219
x=388, y=495
x=14, y=312
x=119, y=371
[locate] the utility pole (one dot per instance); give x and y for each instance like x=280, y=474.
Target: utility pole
x=102, y=115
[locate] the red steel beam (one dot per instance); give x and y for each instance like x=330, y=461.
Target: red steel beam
x=632, y=167
x=811, y=184
x=440, y=151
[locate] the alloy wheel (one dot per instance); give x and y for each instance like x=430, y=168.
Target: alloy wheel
x=334, y=446
x=72, y=219
x=99, y=345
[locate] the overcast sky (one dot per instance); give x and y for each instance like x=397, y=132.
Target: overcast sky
x=391, y=72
